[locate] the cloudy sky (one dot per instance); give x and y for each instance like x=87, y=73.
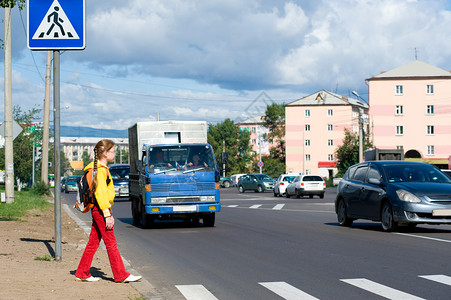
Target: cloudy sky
x=216, y=59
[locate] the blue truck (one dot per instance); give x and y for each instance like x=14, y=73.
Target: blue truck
x=173, y=173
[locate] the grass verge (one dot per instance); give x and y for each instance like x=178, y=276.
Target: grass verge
x=24, y=201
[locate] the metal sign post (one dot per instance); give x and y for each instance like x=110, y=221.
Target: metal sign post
x=56, y=25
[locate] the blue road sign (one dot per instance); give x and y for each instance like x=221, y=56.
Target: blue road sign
x=56, y=24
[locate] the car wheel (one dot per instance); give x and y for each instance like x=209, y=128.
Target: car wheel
x=287, y=194
x=342, y=216
x=297, y=194
x=260, y=189
x=321, y=196
x=226, y=184
x=241, y=189
x=275, y=194
x=388, y=223
x=310, y=196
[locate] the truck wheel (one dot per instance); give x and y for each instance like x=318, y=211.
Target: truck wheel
x=147, y=220
x=209, y=220
x=135, y=212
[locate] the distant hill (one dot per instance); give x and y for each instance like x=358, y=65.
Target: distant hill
x=80, y=131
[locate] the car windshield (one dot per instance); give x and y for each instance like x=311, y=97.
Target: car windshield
x=120, y=173
x=288, y=178
x=181, y=158
x=312, y=178
x=414, y=173
x=72, y=179
x=263, y=177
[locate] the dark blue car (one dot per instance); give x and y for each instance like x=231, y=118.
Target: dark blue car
x=395, y=193
x=120, y=174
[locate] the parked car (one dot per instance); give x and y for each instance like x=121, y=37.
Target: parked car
x=225, y=182
x=282, y=182
x=304, y=185
x=394, y=193
x=447, y=172
x=234, y=178
x=256, y=182
x=71, y=184
x=120, y=174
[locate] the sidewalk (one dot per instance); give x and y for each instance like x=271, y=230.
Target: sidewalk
x=23, y=277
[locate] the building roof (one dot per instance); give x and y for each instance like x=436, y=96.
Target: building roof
x=324, y=97
x=252, y=120
x=414, y=69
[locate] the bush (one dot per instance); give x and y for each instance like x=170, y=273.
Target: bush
x=41, y=188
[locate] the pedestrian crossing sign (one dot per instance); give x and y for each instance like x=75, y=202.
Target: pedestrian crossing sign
x=56, y=24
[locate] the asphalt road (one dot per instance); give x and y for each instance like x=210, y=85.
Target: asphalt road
x=264, y=247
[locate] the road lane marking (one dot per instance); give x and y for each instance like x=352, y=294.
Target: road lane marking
x=232, y=205
x=287, y=291
x=255, y=206
x=278, y=206
x=195, y=292
x=422, y=237
x=438, y=278
x=379, y=289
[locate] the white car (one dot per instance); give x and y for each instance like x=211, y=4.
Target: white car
x=306, y=185
x=234, y=178
x=282, y=182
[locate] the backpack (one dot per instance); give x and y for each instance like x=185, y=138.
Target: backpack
x=85, y=197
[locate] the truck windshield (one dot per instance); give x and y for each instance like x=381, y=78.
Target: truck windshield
x=180, y=158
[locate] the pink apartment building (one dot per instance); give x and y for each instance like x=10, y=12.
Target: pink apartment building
x=314, y=129
x=258, y=132
x=410, y=109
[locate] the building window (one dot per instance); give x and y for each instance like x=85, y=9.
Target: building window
x=399, y=130
x=399, y=110
x=330, y=142
x=253, y=129
x=271, y=142
x=330, y=112
x=308, y=172
x=307, y=142
x=253, y=141
x=307, y=127
x=399, y=90
x=399, y=147
x=430, y=150
x=330, y=157
x=429, y=89
x=307, y=112
x=430, y=130
x=307, y=157
x=330, y=127
x=430, y=109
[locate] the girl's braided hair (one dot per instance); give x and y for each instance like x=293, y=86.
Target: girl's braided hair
x=101, y=147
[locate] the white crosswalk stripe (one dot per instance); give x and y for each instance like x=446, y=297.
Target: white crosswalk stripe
x=438, y=278
x=195, y=292
x=379, y=289
x=255, y=206
x=286, y=291
x=289, y=292
x=278, y=206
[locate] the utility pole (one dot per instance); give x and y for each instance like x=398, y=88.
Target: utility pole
x=223, y=162
x=46, y=125
x=360, y=134
x=9, y=160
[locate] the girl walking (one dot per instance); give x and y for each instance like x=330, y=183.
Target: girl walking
x=102, y=218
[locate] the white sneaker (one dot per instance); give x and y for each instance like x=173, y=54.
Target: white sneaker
x=131, y=278
x=89, y=279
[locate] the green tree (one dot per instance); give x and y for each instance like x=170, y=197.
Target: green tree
x=274, y=120
x=348, y=153
x=236, y=145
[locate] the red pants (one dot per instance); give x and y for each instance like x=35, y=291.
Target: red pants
x=98, y=231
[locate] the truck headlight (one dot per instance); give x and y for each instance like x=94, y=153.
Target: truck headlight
x=407, y=196
x=158, y=200
x=207, y=198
